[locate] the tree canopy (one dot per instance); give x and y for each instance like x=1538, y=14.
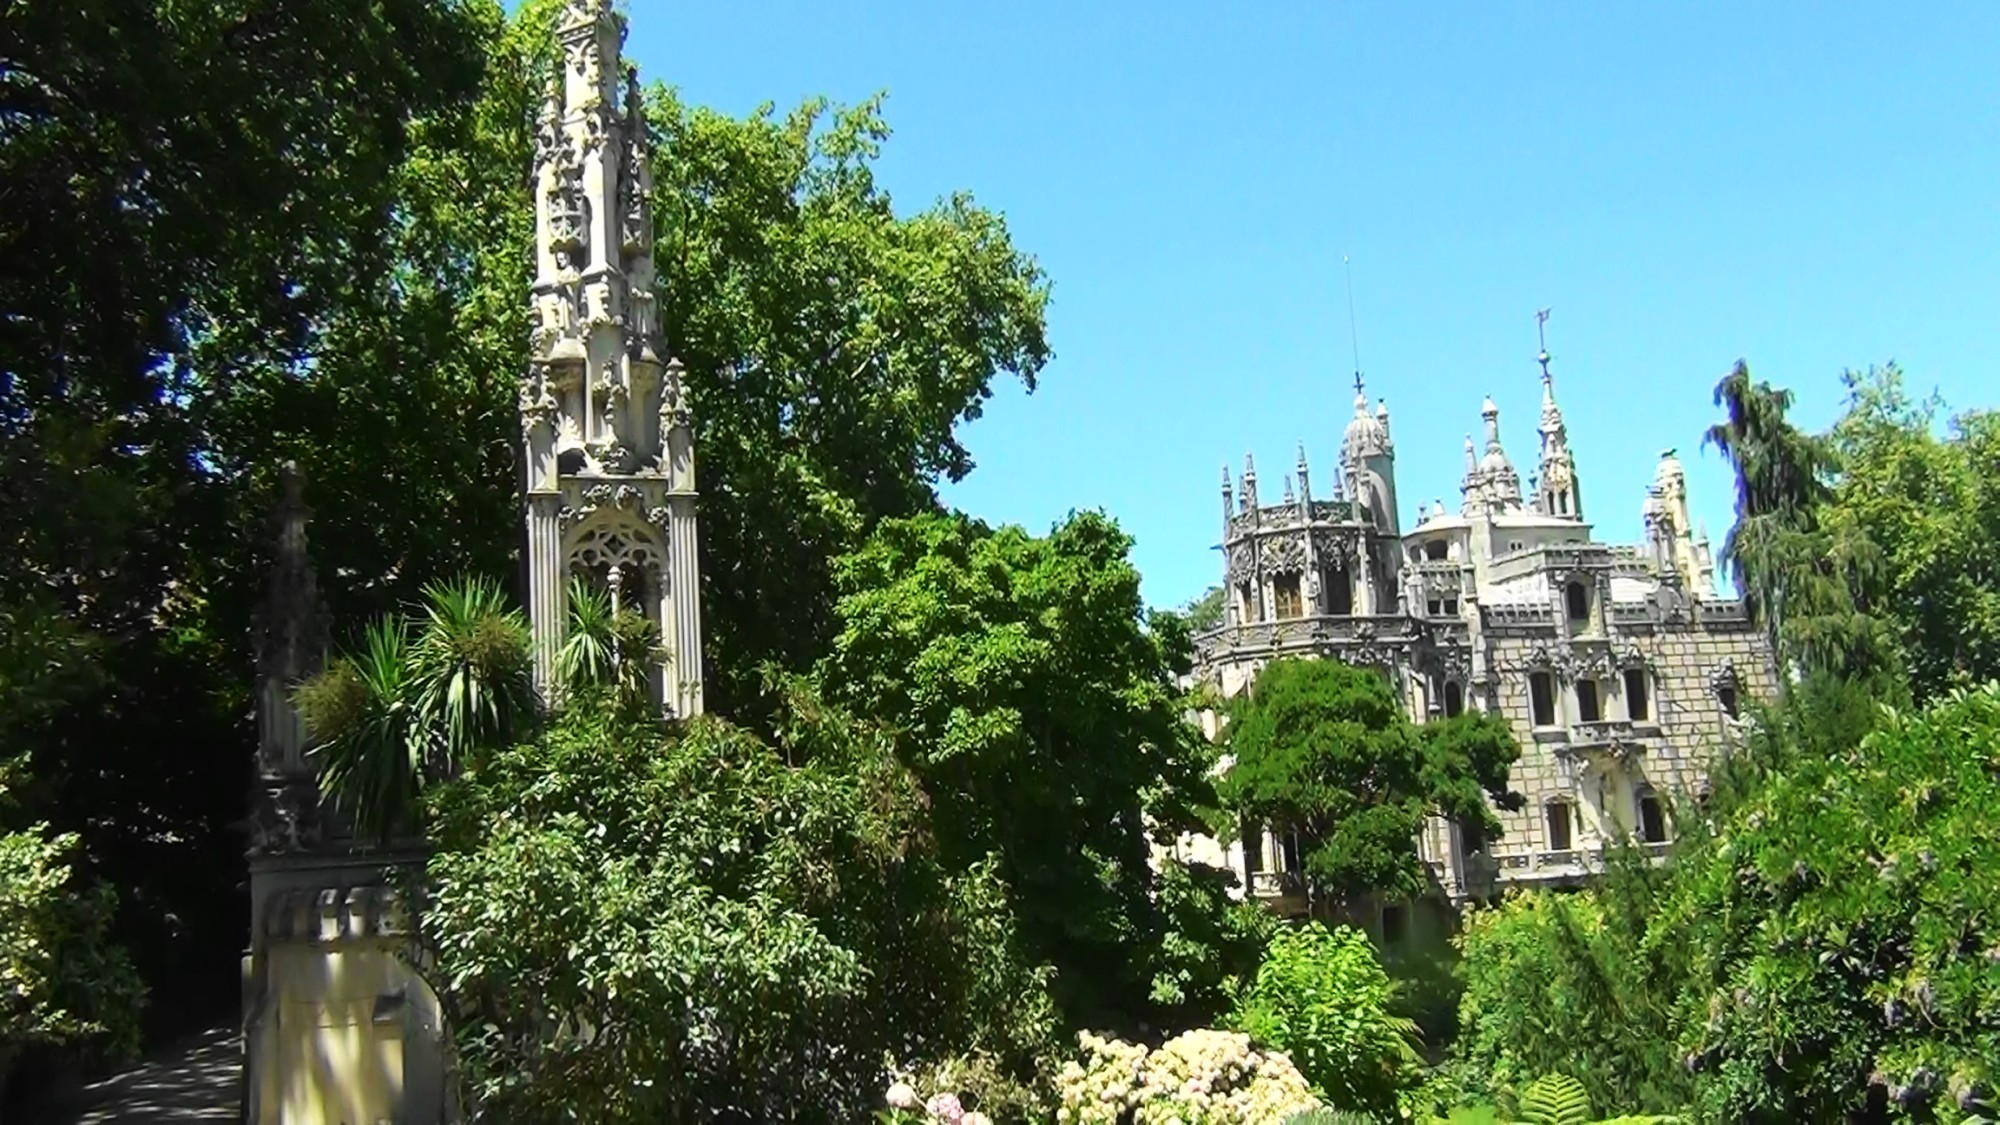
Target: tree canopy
x=1039, y=710
x=1323, y=748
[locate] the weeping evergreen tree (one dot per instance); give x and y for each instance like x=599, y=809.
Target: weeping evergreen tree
x=1808, y=580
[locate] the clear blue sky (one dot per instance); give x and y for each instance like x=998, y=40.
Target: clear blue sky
x=1810, y=187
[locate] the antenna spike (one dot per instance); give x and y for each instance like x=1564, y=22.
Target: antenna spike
x=1353, y=334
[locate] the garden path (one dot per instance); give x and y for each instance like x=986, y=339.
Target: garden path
x=196, y=1080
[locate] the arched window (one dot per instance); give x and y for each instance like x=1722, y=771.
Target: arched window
x=1454, y=699
x=1576, y=599
x=1437, y=550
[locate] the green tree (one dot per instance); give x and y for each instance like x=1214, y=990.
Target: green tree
x=66, y=981
x=418, y=699
x=1041, y=714
x=1810, y=581
x=1840, y=958
x=1927, y=497
x=1206, y=612
x=636, y=924
x=1323, y=748
x=1560, y=982
x=1322, y=998
x=191, y=187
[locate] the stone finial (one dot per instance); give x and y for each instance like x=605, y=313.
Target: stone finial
x=1290, y=498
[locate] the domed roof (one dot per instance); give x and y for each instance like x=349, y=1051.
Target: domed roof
x=1366, y=435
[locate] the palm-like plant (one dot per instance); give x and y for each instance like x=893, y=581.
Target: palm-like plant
x=607, y=650
x=471, y=671
x=359, y=714
x=414, y=703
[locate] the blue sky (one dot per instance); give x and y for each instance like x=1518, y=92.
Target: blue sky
x=1809, y=187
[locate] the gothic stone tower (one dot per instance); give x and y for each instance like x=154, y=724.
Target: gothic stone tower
x=609, y=440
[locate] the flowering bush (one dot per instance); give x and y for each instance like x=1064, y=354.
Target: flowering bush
x=1201, y=1077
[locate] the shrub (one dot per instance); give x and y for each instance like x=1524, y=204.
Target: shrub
x=1322, y=997
x=1201, y=1077
x=1841, y=926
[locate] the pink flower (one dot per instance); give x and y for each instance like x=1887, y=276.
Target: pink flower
x=945, y=1107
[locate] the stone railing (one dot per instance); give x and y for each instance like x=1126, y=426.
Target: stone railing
x=1304, y=634
x=1725, y=610
x=1631, y=613
x=1269, y=516
x=1500, y=615
x=1482, y=872
x=1275, y=884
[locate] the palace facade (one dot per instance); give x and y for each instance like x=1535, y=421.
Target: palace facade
x=1620, y=668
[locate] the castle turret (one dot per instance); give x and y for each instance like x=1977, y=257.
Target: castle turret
x=1368, y=463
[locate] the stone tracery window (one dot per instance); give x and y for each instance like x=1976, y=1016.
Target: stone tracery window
x=622, y=559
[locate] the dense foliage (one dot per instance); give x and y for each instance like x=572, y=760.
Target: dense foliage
x=1324, y=748
x=63, y=980
x=1842, y=948
x=1039, y=710
x=637, y=925
x=1322, y=997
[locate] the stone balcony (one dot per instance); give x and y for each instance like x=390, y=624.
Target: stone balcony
x=1321, y=633
x=1484, y=873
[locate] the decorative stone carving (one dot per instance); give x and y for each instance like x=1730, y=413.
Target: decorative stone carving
x=1336, y=547
x=569, y=207
x=1242, y=563
x=1284, y=554
x=538, y=404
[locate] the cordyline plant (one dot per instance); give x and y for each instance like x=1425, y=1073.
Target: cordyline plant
x=426, y=693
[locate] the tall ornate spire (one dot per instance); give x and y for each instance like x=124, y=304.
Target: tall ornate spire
x=1557, y=492
x=604, y=416
x=1228, y=498
x=1502, y=483
x=292, y=631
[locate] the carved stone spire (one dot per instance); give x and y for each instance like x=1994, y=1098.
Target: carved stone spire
x=291, y=642
x=1556, y=489
x=604, y=407
x=1228, y=499
x=1502, y=483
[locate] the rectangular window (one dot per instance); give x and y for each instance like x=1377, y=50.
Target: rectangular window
x=1285, y=590
x=1288, y=853
x=1557, y=814
x=1339, y=592
x=1395, y=924
x=1652, y=819
x=1433, y=608
x=1637, y=706
x=1726, y=695
x=1589, y=708
x=1451, y=607
x=1542, y=696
